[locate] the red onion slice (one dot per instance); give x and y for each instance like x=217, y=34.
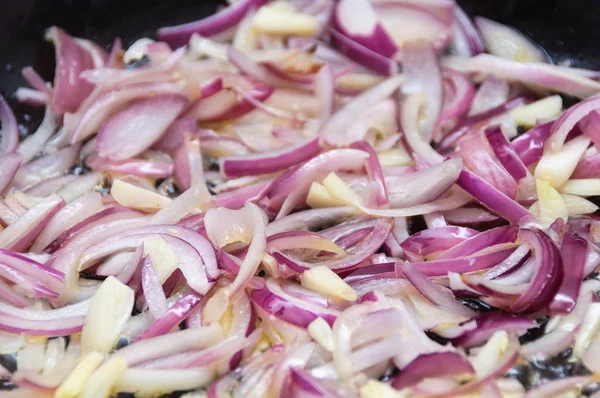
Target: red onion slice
x=357, y=20
x=548, y=274
x=226, y=18
x=265, y=163
x=440, y=295
x=119, y=139
x=506, y=42
x=276, y=302
x=70, y=89
x=10, y=129
x=493, y=199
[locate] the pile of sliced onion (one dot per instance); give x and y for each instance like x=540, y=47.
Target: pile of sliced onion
x=302, y=198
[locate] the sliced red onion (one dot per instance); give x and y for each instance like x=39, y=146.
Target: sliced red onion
x=481, y=241
x=411, y=21
x=357, y=20
x=266, y=163
x=48, y=166
x=423, y=75
x=31, y=97
x=548, y=274
x=173, y=316
x=35, y=80
x=275, y=301
x=109, y=103
x=567, y=121
x=374, y=171
x=530, y=73
x=9, y=164
x=189, y=167
x=490, y=197
x=66, y=218
x=409, y=118
x=530, y=145
x=291, y=188
x=118, y=140
x=153, y=290
x=309, y=219
x=446, y=364
x=366, y=248
x=185, y=239
x=255, y=70
x=562, y=336
x=324, y=88
x=573, y=249
x=458, y=96
x=104, y=216
x=506, y=42
x=221, y=21
x=490, y=323
x=55, y=322
x=434, y=240
x=70, y=89
x=465, y=32
x=507, y=360
x=363, y=55
x=136, y=167
x=562, y=386
x=467, y=264
x=506, y=154
x=171, y=140
x=482, y=161
x=10, y=128
x=479, y=120
x=21, y=234
x=334, y=131
x=440, y=295
x=34, y=143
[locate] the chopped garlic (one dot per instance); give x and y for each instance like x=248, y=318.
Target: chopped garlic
x=101, y=382
x=163, y=258
x=542, y=110
x=584, y=187
x=108, y=313
x=488, y=356
x=395, y=157
x=323, y=280
x=550, y=202
x=72, y=386
x=340, y=190
x=130, y=195
x=556, y=167
x=377, y=389
x=321, y=332
x=281, y=18
x=319, y=196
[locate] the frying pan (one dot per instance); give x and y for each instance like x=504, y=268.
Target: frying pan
x=566, y=29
